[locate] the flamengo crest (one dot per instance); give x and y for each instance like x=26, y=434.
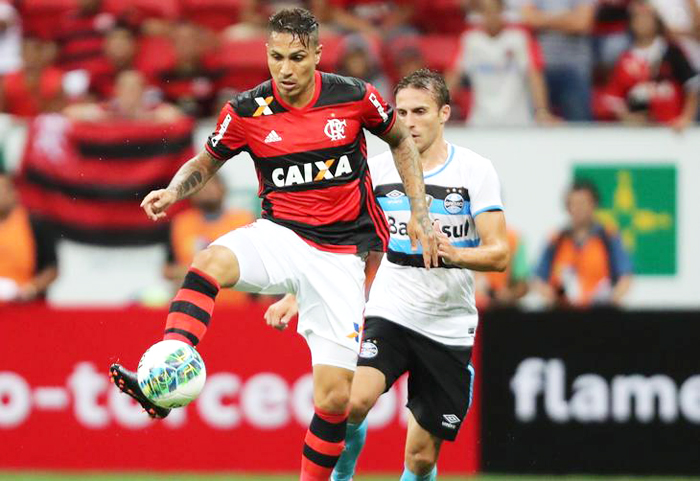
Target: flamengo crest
x=335, y=129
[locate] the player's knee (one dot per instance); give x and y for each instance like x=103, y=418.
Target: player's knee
x=334, y=400
x=360, y=405
x=218, y=262
x=420, y=459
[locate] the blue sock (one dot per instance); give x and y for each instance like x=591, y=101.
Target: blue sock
x=354, y=442
x=409, y=476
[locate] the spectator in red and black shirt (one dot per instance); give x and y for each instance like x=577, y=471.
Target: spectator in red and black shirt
x=38, y=86
x=81, y=35
x=653, y=82
x=305, y=132
x=192, y=81
x=119, y=56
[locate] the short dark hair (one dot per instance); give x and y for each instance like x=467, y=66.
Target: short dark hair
x=588, y=186
x=298, y=22
x=426, y=79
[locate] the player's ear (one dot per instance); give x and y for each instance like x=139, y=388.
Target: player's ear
x=445, y=112
x=317, y=53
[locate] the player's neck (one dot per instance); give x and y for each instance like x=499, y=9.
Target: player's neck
x=302, y=100
x=435, y=155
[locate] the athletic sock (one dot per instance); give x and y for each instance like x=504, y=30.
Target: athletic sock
x=354, y=442
x=409, y=476
x=191, y=308
x=323, y=444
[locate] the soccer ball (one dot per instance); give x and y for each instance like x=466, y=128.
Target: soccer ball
x=171, y=374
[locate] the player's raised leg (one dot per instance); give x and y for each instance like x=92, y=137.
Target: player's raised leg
x=422, y=451
x=369, y=383
x=191, y=309
x=190, y=313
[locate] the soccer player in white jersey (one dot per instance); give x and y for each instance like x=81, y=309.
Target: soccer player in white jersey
x=423, y=321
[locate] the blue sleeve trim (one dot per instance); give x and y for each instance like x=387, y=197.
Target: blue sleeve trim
x=487, y=209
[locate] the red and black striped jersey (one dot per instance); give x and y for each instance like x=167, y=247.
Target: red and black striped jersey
x=311, y=162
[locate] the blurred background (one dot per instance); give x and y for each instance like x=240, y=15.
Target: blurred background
x=588, y=110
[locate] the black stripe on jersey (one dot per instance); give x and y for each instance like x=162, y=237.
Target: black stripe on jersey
x=337, y=89
x=268, y=167
x=435, y=191
x=362, y=232
x=413, y=260
x=245, y=105
x=221, y=152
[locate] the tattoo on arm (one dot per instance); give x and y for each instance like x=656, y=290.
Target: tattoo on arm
x=408, y=164
x=193, y=175
x=189, y=184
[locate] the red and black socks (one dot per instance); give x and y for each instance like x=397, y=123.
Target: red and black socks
x=190, y=311
x=323, y=445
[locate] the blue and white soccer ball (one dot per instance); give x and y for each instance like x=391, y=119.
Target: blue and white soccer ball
x=171, y=373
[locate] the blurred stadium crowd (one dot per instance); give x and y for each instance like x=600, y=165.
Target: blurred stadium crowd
x=507, y=62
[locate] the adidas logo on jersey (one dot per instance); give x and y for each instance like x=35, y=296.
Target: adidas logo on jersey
x=272, y=137
x=311, y=172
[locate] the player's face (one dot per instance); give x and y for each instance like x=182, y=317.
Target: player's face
x=643, y=21
x=419, y=111
x=292, y=65
x=581, y=206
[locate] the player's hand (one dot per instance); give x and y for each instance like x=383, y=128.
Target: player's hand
x=281, y=312
x=448, y=252
x=420, y=232
x=157, y=202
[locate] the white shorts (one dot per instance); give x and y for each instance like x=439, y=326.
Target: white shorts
x=329, y=287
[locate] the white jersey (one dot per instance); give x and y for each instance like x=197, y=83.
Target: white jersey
x=498, y=70
x=437, y=303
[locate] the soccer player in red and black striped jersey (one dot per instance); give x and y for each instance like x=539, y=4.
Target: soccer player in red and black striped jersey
x=304, y=131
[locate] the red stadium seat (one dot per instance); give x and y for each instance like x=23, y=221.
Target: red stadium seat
x=245, y=62
x=439, y=51
x=213, y=14
x=40, y=17
x=145, y=8
x=154, y=54
x=441, y=17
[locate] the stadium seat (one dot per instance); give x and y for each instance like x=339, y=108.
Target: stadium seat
x=245, y=62
x=213, y=14
x=441, y=17
x=439, y=51
x=154, y=54
x=39, y=17
x=145, y=8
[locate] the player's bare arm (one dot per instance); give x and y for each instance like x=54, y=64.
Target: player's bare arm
x=492, y=253
x=408, y=164
x=188, y=180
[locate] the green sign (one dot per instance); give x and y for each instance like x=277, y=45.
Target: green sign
x=639, y=201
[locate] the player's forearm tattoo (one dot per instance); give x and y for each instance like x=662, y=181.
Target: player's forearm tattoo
x=193, y=175
x=409, y=166
x=189, y=184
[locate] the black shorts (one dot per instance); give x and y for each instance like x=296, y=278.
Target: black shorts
x=440, y=377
